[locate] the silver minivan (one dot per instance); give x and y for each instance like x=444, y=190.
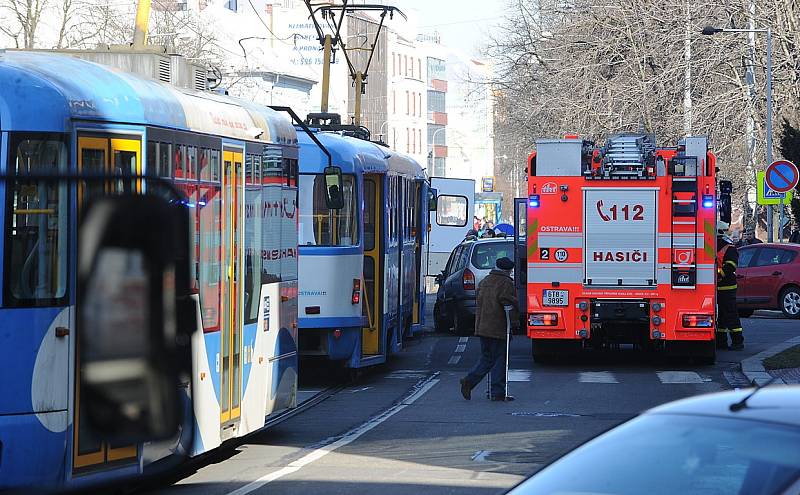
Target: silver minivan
x=469, y=262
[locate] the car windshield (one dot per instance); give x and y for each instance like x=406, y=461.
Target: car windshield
x=669, y=454
x=485, y=255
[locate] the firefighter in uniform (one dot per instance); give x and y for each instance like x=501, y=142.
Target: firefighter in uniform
x=728, y=315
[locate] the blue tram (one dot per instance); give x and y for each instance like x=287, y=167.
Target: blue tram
x=237, y=164
x=360, y=274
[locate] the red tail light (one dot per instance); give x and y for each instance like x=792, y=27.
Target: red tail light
x=356, y=291
x=698, y=321
x=469, y=280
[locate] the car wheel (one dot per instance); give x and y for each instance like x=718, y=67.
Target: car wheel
x=746, y=313
x=459, y=327
x=439, y=324
x=790, y=302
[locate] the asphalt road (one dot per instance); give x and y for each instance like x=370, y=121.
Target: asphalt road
x=404, y=428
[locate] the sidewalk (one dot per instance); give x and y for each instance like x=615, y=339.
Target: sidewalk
x=753, y=368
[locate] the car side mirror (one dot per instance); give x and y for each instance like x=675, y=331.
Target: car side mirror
x=433, y=200
x=439, y=278
x=334, y=197
x=135, y=316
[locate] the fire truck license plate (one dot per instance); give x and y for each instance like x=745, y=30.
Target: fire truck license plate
x=555, y=297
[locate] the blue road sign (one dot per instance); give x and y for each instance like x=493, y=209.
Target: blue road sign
x=781, y=176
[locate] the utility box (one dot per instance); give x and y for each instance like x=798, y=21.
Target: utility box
x=559, y=157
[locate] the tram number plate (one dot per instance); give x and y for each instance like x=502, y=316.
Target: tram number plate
x=555, y=297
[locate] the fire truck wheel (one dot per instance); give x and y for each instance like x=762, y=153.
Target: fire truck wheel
x=542, y=352
x=706, y=353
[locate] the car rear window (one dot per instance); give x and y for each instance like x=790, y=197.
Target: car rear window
x=774, y=256
x=485, y=255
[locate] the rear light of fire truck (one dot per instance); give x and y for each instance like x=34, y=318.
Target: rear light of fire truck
x=533, y=201
x=542, y=319
x=468, y=281
x=698, y=321
x=356, y=291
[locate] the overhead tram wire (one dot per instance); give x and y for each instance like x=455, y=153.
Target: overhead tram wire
x=282, y=40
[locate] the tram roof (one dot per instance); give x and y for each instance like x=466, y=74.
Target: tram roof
x=353, y=156
x=43, y=91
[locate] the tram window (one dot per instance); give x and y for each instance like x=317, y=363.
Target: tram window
x=152, y=158
x=191, y=162
x=36, y=226
x=320, y=226
x=451, y=211
x=208, y=209
x=180, y=161
x=248, y=169
x=125, y=164
x=369, y=215
x=165, y=160
x=204, y=164
x=215, y=166
x=272, y=164
x=252, y=243
x=93, y=162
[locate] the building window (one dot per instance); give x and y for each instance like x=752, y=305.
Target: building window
x=419, y=134
x=232, y=5
x=437, y=102
x=408, y=141
x=419, y=68
x=408, y=102
x=414, y=140
x=394, y=71
x=394, y=102
x=412, y=67
x=405, y=62
x=414, y=104
x=420, y=104
x=436, y=70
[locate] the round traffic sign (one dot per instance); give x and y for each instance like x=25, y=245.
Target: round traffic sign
x=781, y=176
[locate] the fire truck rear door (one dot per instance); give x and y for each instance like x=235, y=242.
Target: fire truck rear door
x=620, y=234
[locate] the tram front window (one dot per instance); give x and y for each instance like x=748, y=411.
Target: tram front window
x=36, y=227
x=320, y=226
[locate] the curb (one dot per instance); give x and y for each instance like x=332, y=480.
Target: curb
x=754, y=370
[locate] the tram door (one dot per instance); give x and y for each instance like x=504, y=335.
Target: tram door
x=98, y=155
x=230, y=355
x=372, y=307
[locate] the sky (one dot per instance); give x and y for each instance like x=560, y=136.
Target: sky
x=462, y=23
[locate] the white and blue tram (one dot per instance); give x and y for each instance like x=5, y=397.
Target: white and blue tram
x=60, y=114
x=373, y=247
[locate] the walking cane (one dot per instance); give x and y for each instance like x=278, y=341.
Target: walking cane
x=508, y=309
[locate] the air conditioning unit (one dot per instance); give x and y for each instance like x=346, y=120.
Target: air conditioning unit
x=157, y=65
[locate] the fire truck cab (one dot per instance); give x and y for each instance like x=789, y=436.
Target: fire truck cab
x=622, y=245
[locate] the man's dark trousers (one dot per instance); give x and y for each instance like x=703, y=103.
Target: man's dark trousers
x=493, y=359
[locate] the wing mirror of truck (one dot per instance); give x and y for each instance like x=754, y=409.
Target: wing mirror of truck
x=135, y=317
x=334, y=197
x=725, y=207
x=433, y=199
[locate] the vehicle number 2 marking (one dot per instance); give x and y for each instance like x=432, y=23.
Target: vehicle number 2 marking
x=544, y=254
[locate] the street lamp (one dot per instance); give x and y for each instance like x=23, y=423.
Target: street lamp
x=710, y=31
x=431, y=144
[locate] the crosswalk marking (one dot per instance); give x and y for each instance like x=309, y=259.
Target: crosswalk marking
x=597, y=377
x=519, y=375
x=461, y=347
x=671, y=377
x=454, y=359
x=463, y=340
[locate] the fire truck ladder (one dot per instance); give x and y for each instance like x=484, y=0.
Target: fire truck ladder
x=684, y=224
x=627, y=156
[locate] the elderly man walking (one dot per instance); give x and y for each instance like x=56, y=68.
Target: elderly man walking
x=494, y=292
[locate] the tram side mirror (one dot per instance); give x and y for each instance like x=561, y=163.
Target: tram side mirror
x=433, y=199
x=725, y=208
x=135, y=317
x=333, y=188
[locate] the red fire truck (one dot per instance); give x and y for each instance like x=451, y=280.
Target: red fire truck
x=622, y=244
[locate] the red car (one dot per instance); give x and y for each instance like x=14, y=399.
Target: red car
x=769, y=278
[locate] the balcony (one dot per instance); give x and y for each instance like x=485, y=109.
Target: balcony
x=439, y=151
x=438, y=85
x=437, y=118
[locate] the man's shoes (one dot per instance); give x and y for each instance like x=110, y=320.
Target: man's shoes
x=466, y=390
x=737, y=347
x=500, y=398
